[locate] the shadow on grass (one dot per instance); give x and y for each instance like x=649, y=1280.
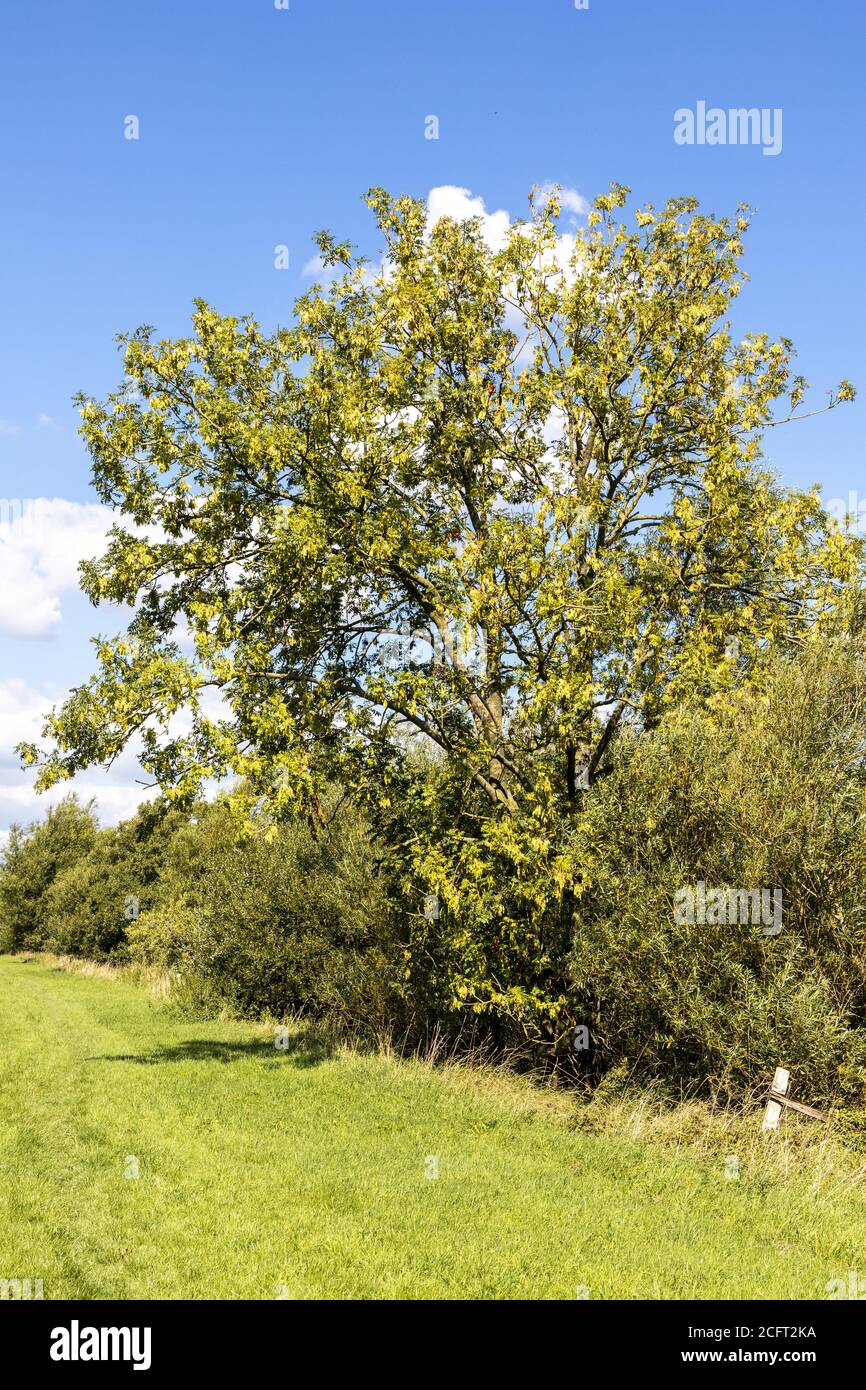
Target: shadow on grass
x=304, y=1050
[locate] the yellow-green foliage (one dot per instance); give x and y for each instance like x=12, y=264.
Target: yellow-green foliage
x=541, y=464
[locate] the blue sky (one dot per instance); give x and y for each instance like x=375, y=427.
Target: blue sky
x=259, y=125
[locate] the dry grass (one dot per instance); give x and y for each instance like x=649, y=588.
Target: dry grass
x=158, y=983
x=800, y=1145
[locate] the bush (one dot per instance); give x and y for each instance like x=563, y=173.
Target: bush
x=32, y=861
x=760, y=790
x=284, y=920
x=90, y=903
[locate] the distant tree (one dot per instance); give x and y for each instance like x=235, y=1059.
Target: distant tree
x=32, y=860
x=91, y=903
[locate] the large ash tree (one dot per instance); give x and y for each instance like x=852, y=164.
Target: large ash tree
x=439, y=539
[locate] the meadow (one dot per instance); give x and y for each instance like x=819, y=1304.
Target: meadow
x=147, y=1154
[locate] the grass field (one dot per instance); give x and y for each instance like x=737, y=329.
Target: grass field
x=311, y=1174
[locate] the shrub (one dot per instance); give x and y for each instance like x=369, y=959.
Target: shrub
x=32, y=861
x=286, y=919
x=91, y=902
x=537, y=926
x=763, y=789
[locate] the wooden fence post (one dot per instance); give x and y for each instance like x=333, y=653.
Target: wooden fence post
x=774, y=1108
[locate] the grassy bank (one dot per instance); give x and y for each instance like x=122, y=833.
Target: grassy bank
x=311, y=1172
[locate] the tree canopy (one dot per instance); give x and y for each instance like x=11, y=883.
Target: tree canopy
x=504, y=498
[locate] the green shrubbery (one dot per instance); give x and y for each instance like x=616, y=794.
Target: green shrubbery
x=297, y=921
x=71, y=888
x=758, y=788
x=764, y=790
x=32, y=863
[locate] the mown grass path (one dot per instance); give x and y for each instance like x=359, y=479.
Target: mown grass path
x=299, y=1174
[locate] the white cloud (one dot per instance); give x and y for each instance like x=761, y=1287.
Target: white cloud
x=117, y=790
x=458, y=203
x=326, y=275
x=316, y=269
x=9, y=427
x=22, y=710
x=461, y=205
x=569, y=198
x=42, y=541
x=115, y=801
x=47, y=422
x=447, y=200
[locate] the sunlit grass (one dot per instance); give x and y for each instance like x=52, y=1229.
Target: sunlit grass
x=304, y=1173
